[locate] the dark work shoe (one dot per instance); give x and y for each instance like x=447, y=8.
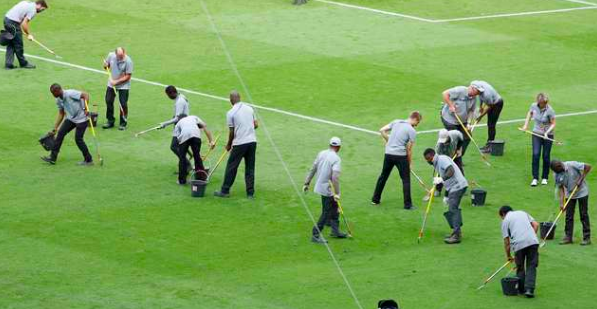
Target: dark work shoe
x=251, y=196
x=181, y=182
x=338, y=235
x=10, y=67
x=49, y=160
x=374, y=203
x=85, y=163
x=452, y=240
x=530, y=293
x=585, y=242
x=28, y=66
x=108, y=125
x=221, y=194
x=318, y=240
x=122, y=128
x=566, y=241
x=410, y=208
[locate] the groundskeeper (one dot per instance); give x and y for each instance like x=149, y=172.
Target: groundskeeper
x=120, y=66
x=455, y=184
x=400, y=137
x=491, y=104
x=71, y=103
x=181, y=108
x=519, y=231
x=459, y=102
x=327, y=166
x=299, y=2
x=16, y=22
x=188, y=132
x=569, y=176
x=449, y=143
x=242, y=144
x=545, y=122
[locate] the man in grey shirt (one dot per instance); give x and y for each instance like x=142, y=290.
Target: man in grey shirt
x=491, y=104
x=16, y=21
x=449, y=143
x=188, y=133
x=328, y=167
x=456, y=185
x=71, y=105
x=120, y=66
x=181, y=107
x=570, y=175
x=459, y=101
x=398, y=153
x=519, y=231
x=242, y=144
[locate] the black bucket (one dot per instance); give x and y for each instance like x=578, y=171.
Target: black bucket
x=198, y=188
x=94, y=116
x=478, y=197
x=387, y=304
x=544, y=228
x=5, y=37
x=510, y=286
x=497, y=147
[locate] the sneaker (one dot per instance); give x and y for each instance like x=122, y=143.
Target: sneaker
x=543, y=182
x=221, y=194
x=426, y=197
x=446, y=199
x=121, y=128
x=85, y=163
x=485, y=149
x=10, y=67
x=585, y=242
x=437, y=193
x=452, y=240
x=182, y=183
x=534, y=183
x=49, y=160
x=410, y=208
x=250, y=196
x=318, y=240
x=530, y=293
x=566, y=241
x=338, y=235
x=108, y=125
x=373, y=203
x=28, y=66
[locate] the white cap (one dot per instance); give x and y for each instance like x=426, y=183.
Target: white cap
x=443, y=136
x=478, y=87
x=335, y=141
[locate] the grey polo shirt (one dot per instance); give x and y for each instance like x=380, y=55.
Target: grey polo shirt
x=401, y=134
x=73, y=105
x=22, y=10
x=119, y=68
x=188, y=128
x=441, y=163
x=463, y=102
x=241, y=117
x=327, y=162
x=542, y=118
x=517, y=226
x=450, y=148
x=490, y=96
x=573, y=170
x=181, y=106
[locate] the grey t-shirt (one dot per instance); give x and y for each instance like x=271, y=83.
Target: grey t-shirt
x=401, y=134
x=517, y=226
x=463, y=102
x=187, y=128
x=450, y=148
x=73, y=105
x=22, y=10
x=242, y=117
x=181, y=106
x=542, y=118
x=119, y=68
x=573, y=170
x=327, y=162
x=441, y=163
x=490, y=96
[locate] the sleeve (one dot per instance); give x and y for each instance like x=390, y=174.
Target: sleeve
x=129, y=67
x=59, y=105
x=505, y=231
x=110, y=58
x=177, y=130
x=531, y=109
x=74, y=94
x=412, y=135
x=579, y=166
x=313, y=170
x=531, y=219
x=179, y=108
x=31, y=13
x=337, y=167
x=200, y=122
x=551, y=114
x=230, y=120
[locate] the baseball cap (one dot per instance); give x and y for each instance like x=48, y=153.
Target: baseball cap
x=443, y=136
x=478, y=87
x=335, y=141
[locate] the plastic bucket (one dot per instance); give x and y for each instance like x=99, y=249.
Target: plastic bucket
x=198, y=188
x=5, y=37
x=387, y=304
x=497, y=147
x=544, y=228
x=478, y=197
x=94, y=117
x=510, y=286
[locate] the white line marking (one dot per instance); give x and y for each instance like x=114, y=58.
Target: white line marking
x=582, y=2
x=513, y=14
x=351, y=6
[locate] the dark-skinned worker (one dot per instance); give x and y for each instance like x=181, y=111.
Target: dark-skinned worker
x=121, y=71
x=449, y=143
x=16, y=22
x=181, y=107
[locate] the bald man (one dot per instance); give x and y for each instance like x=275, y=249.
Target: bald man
x=121, y=71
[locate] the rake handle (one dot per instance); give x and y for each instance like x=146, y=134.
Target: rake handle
x=472, y=139
x=544, y=240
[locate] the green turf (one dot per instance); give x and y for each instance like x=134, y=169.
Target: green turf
x=126, y=236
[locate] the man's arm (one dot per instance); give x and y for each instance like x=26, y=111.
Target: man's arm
x=562, y=197
x=121, y=80
x=310, y=176
x=409, y=152
x=507, y=248
x=485, y=108
x=384, y=132
x=336, y=183
x=449, y=173
x=535, y=226
x=447, y=100
x=26, y=28
x=210, y=139
x=230, y=138
x=586, y=170
x=58, y=121
x=255, y=124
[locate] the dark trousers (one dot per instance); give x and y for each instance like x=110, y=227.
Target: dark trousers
x=175, y=147
x=458, y=161
x=15, y=47
x=183, y=163
x=492, y=118
x=454, y=213
x=123, y=98
x=527, y=261
x=329, y=216
x=467, y=139
x=538, y=144
x=239, y=152
x=583, y=208
x=389, y=162
x=64, y=129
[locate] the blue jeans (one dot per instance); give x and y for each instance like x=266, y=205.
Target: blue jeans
x=538, y=144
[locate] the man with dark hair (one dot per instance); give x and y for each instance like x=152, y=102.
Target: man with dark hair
x=449, y=143
x=16, y=22
x=571, y=175
x=188, y=132
x=71, y=103
x=181, y=107
x=121, y=72
x=519, y=231
x=491, y=104
x=400, y=137
x=456, y=185
x=242, y=144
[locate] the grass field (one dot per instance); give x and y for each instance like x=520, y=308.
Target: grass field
x=126, y=236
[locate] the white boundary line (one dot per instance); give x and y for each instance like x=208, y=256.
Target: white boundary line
x=352, y=6
x=582, y=2
x=514, y=14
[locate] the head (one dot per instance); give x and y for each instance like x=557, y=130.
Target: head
x=335, y=144
x=429, y=154
x=443, y=136
x=234, y=97
x=504, y=210
x=120, y=53
x=474, y=90
x=556, y=166
x=56, y=90
x=171, y=92
x=415, y=118
x=41, y=6
x=542, y=99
